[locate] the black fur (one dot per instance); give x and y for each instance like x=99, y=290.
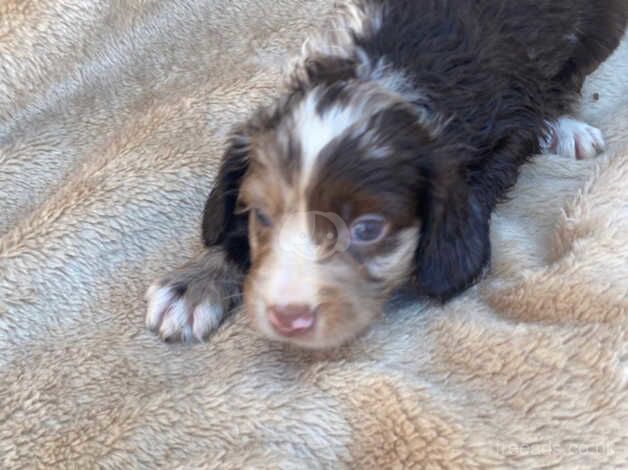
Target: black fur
x=221, y=225
x=496, y=71
x=499, y=70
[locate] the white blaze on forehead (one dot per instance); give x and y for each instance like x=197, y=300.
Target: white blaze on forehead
x=314, y=131
x=292, y=272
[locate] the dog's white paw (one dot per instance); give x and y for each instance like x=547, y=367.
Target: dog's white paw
x=575, y=139
x=190, y=303
x=173, y=317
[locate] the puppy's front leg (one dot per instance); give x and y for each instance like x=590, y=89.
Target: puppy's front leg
x=190, y=302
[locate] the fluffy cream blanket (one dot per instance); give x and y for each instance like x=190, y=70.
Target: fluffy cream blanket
x=112, y=118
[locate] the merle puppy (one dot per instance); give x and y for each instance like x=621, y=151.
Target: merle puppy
x=396, y=135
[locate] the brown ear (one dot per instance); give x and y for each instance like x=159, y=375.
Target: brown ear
x=455, y=244
x=221, y=225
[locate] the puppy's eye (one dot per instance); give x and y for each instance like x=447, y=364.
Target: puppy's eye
x=262, y=218
x=368, y=229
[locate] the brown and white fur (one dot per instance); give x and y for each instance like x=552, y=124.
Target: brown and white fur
x=397, y=133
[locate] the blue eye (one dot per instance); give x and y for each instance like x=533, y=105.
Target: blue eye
x=262, y=218
x=368, y=229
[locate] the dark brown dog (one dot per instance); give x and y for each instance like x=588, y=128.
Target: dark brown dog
x=399, y=132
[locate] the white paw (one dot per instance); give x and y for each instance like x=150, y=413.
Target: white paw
x=575, y=139
x=179, y=317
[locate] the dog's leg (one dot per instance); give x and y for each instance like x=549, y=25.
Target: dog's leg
x=190, y=302
x=572, y=138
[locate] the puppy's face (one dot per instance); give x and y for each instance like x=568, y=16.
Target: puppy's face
x=331, y=195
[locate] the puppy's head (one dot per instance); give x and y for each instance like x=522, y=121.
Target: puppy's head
x=327, y=196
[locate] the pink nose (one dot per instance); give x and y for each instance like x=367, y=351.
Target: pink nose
x=291, y=319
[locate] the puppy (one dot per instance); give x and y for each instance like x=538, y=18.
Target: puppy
x=396, y=135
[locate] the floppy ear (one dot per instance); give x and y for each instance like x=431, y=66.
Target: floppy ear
x=455, y=244
x=221, y=225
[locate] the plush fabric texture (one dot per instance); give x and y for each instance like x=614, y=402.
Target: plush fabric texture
x=113, y=116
